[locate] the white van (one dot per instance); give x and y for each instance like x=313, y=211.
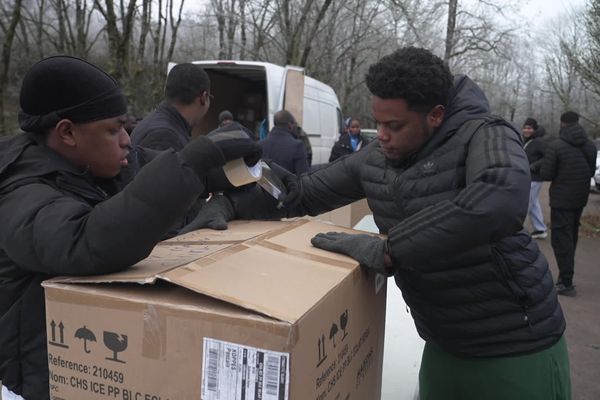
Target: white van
x=254, y=91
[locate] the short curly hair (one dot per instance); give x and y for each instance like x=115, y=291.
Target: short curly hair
x=413, y=74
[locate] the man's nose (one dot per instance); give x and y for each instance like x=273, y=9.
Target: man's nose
x=125, y=139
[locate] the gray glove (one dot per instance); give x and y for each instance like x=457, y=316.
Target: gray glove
x=368, y=250
x=214, y=214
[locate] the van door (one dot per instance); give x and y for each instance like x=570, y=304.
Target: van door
x=293, y=93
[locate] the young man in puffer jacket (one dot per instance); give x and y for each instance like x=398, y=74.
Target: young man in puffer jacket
x=448, y=184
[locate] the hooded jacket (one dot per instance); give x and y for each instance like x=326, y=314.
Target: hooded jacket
x=570, y=162
x=475, y=281
x=57, y=220
x=534, y=148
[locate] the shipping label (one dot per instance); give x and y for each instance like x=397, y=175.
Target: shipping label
x=232, y=371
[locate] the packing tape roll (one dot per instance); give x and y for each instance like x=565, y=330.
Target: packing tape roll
x=238, y=173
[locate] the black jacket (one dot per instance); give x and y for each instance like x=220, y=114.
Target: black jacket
x=285, y=149
x=475, y=281
x=57, y=220
x=162, y=129
x=343, y=146
x=570, y=162
x=534, y=148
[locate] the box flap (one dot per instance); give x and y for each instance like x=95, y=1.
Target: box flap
x=278, y=274
x=181, y=250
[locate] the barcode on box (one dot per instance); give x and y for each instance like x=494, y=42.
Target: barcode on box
x=231, y=371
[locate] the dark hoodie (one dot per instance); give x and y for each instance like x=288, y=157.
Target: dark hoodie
x=569, y=162
x=57, y=220
x=534, y=148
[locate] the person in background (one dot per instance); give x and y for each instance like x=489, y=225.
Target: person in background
x=569, y=163
x=534, y=148
x=65, y=208
x=348, y=144
x=282, y=146
x=226, y=122
x=187, y=99
x=448, y=185
x=225, y=118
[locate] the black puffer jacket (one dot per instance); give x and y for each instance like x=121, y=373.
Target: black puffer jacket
x=56, y=220
x=343, y=146
x=570, y=162
x=535, y=147
x=162, y=129
x=475, y=281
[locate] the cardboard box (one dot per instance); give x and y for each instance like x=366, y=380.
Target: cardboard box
x=254, y=312
x=347, y=216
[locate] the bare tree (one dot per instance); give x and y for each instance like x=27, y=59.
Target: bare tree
x=74, y=22
x=473, y=30
x=9, y=27
x=119, y=40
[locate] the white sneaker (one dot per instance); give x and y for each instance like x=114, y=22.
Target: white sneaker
x=539, y=234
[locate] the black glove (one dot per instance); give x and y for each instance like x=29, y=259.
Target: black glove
x=214, y=214
x=236, y=144
x=368, y=250
x=202, y=154
x=293, y=188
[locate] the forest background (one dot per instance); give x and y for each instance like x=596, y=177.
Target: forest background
x=524, y=72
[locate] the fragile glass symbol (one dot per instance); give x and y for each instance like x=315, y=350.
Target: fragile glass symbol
x=115, y=342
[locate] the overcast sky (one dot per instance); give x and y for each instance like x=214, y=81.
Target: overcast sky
x=534, y=12
x=540, y=11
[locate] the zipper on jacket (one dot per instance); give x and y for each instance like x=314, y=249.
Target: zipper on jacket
x=510, y=282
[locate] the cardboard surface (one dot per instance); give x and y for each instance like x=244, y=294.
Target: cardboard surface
x=257, y=314
x=346, y=216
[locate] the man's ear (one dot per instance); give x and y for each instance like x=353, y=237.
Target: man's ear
x=202, y=98
x=436, y=116
x=64, y=132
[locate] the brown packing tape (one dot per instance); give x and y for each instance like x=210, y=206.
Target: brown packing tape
x=302, y=254
x=198, y=243
x=154, y=340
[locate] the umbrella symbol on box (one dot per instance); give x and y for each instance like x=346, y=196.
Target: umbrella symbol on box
x=332, y=332
x=85, y=334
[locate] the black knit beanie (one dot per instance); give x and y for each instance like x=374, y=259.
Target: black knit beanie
x=531, y=122
x=67, y=87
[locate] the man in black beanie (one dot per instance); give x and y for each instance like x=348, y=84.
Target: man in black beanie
x=187, y=99
x=569, y=163
x=67, y=208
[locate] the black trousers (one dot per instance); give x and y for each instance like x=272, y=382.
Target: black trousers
x=564, y=224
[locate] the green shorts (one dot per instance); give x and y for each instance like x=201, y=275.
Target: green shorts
x=538, y=376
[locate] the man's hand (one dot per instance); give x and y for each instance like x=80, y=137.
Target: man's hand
x=204, y=153
x=214, y=214
x=368, y=250
x=293, y=189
